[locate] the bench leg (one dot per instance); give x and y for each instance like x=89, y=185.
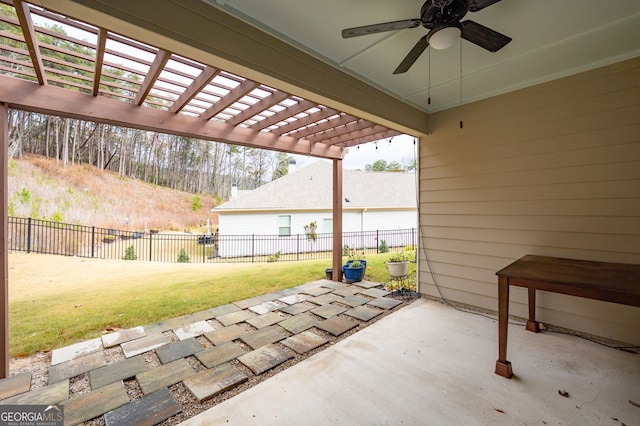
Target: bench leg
x=503, y=367
x=532, y=324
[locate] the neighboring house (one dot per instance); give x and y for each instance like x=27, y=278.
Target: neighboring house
x=372, y=201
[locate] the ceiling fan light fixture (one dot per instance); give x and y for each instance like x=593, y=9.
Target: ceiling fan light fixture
x=444, y=38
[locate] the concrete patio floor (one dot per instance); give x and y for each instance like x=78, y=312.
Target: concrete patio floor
x=429, y=364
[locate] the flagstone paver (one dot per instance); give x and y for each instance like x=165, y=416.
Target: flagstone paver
x=193, y=330
x=264, y=336
x=265, y=320
x=296, y=309
x=94, y=403
x=196, y=316
x=162, y=326
x=294, y=298
x=328, y=311
x=121, y=336
x=363, y=313
x=15, y=385
x=265, y=307
x=374, y=292
x=247, y=303
x=182, y=349
x=366, y=284
x=76, y=350
x=165, y=375
x=270, y=297
x=213, y=382
x=298, y=323
x=147, y=411
x=304, y=342
x=145, y=344
x=311, y=284
x=234, y=317
x=347, y=291
x=223, y=310
x=325, y=299
x=336, y=325
x=226, y=334
x=77, y=366
x=354, y=300
x=317, y=291
x=384, y=303
x=289, y=291
x=264, y=358
x=117, y=371
x=52, y=394
x=217, y=355
x=334, y=285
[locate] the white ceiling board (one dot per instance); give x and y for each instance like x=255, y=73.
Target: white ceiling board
x=551, y=39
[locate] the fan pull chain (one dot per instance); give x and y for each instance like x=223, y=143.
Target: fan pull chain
x=461, y=123
x=429, y=77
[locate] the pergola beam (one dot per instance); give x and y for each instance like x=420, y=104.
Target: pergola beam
x=97, y=72
x=152, y=75
x=24, y=16
x=229, y=99
x=194, y=88
x=53, y=100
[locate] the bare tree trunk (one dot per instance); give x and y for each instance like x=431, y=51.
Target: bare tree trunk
x=65, y=143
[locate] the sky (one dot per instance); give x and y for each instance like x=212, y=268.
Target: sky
x=401, y=149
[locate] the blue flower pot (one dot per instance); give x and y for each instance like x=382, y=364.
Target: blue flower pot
x=352, y=275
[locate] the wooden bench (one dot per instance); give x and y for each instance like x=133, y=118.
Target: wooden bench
x=610, y=282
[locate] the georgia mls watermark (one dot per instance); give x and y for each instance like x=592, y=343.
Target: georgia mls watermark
x=31, y=415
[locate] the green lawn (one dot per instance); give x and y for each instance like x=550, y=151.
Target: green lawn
x=64, y=312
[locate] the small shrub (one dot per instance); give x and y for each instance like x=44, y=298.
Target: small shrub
x=130, y=254
x=57, y=217
x=274, y=257
x=11, y=208
x=196, y=203
x=310, y=231
x=183, y=257
x=384, y=248
x=24, y=196
x=346, y=250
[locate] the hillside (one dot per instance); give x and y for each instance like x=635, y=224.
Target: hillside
x=85, y=195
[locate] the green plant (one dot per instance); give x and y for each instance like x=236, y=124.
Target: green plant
x=345, y=250
x=400, y=257
x=183, y=257
x=57, y=217
x=24, y=196
x=274, y=257
x=355, y=256
x=355, y=264
x=130, y=254
x=384, y=248
x=11, y=208
x=196, y=203
x=310, y=231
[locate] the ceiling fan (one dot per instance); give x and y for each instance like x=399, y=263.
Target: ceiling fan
x=442, y=19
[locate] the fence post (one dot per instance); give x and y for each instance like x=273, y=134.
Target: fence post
x=93, y=240
x=29, y=235
x=150, y=249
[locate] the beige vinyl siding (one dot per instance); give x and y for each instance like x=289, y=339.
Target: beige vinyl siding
x=552, y=170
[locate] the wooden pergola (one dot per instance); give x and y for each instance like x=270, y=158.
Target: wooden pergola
x=117, y=63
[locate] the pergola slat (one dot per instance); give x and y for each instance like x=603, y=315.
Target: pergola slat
x=256, y=108
x=24, y=16
x=97, y=74
x=196, y=86
x=152, y=75
x=239, y=91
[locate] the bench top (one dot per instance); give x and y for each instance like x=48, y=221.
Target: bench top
x=613, y=282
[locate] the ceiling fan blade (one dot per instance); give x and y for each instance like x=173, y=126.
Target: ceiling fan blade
x=483, y=36
x=413, y=55
x=380, y=28
x=476, y=5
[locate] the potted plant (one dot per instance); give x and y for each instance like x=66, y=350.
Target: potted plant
x=108, y=239
x=398, y=264
x=354, y=271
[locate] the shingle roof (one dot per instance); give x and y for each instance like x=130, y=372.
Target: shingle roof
x=310, y=188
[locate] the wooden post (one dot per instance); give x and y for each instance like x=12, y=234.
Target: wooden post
x=4, y=243
x=337, y=220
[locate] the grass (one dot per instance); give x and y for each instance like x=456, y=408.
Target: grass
x=55, y=301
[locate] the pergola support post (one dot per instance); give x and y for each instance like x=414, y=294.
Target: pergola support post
x=337, y=220
x=4, y=241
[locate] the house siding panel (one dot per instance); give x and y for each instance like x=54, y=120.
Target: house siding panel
x=551, y=170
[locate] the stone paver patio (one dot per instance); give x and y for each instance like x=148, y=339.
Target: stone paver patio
x=208, y=352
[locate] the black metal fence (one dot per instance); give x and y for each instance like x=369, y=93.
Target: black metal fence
x=42, y=236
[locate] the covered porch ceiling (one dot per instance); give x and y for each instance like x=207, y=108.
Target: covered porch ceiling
x=90, y=71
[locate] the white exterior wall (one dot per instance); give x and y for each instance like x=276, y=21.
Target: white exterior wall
x=266, y=224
